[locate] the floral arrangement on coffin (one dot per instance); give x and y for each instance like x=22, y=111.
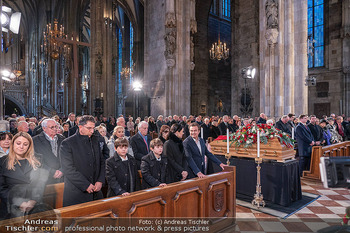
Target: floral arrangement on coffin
x=247, y=135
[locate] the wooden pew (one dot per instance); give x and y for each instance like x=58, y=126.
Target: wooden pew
x=53, y=195
x=213, y=196
x=339, y=149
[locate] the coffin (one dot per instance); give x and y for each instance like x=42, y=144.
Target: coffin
x=273, y=150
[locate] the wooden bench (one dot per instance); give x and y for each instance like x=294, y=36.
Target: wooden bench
x=212, y=196
x=339, y=149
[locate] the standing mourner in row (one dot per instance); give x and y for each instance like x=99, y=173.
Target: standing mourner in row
x=140, y=142
x=22, y=178
x=82, y=164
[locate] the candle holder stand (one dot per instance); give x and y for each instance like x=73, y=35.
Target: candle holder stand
x=258, y=200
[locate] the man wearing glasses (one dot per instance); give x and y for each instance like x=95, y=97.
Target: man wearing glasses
x=46, y=145
x=82, y=164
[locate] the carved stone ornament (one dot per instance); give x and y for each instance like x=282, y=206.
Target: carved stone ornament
x=218, y=200
x=98, y=65
x=170, y=63
x=271, y=9
x=170, y=20
x=271, y=36
x=170, y=43
x=193, y=26
x=346, y=69
x=192, y=65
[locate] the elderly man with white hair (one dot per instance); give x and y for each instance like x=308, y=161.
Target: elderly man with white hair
x=47, y=145
x=23, y=126
x=140, y=142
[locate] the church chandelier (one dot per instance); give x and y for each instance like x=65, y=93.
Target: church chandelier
x=52, y=43
x=219, y=50
x=126, y=72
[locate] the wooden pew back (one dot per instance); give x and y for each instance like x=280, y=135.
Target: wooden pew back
x=339, y=149
x=213, y=196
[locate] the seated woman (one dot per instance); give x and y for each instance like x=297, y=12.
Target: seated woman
x=22, y=180
x=121, y=171
x=164, y=133
x=154, y=166
x=118, y=132
x=174, y=151
x=5, y=141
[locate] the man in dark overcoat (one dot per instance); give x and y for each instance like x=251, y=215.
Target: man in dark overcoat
x=305, y=142
x=82, y=164
x=47, y=145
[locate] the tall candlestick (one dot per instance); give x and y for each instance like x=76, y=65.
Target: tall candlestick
x=228, y=141
x=258, y=141
x=292, y=133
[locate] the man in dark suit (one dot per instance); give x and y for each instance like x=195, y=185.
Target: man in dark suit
x=82, y=164
x=121, y=171
x=316, y=130
x=74, y=129
x=47, y=145
x=195, y=151
x=305, y=141
x=262, y=119
x=283, y=125
x=206, y=129
x=140, y=142
x=71, y=120
x=223, y=126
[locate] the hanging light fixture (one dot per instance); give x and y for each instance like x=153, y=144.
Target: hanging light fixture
x=218, y=50
x=51, y=43
x=126, y=72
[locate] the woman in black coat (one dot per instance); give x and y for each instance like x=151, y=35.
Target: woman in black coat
x=22, y=178
x=174, y=151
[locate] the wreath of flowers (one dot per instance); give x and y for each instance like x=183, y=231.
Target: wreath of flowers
x=247, y=135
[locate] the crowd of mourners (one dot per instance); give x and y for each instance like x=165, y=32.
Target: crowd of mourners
x=90, y=154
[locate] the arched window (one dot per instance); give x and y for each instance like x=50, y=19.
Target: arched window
x=315, y=33
x=226, y=6
x=221, y=8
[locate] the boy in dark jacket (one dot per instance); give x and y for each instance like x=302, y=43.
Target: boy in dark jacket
x=154, y=166
x=121, y=171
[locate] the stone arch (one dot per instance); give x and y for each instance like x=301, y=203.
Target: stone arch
x=12, y=103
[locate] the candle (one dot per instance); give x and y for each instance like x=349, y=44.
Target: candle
x=202, y=133
x=292, y=133
x=228, y=141
x=258, y=147
x=101, y=94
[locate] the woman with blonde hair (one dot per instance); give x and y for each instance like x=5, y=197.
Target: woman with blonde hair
x=22, y=180
x=118, y=132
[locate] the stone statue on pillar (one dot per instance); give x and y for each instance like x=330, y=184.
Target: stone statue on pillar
x=271, y=9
